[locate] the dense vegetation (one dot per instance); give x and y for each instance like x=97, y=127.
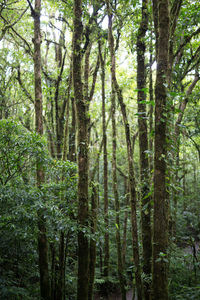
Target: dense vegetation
x=99, y=149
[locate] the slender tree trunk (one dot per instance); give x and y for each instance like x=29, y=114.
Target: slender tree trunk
x=177, y=132
x=82, y=119
x=66, y=139
x=116, y=197
x=92, y=242
x=160, y=227
x=126, y=193
x=61, y=271
x=105, y=168
x=93, y=211
x=72, y=133
x=59, y=113
x=130, y=164
x=143, y=146
x=42, y=238
x=114, y=159
x=151, y=110
x=53, y=262
x=184, y=184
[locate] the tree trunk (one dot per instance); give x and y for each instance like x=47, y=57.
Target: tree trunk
x=143, y=146
x=59, y=113
x=151, y=110
x=105, y=168
x=177, y=132
x=53, y=275
x=61, y=270
x=130, y=164
x=72, y=134
x=92, y=242
x=114, y=159
x=117, y=205
x=126, y=215
x=160, y=227
x=42, y=238
x=66, y=140
x=82, y=119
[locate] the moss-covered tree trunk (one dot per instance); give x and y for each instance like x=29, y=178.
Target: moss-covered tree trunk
x=130, y=161
x=82, y=127
x=72, y=133
x=61, y=270
x=143, y=146
x=105, y=167
x=177, y=133
x=42, y=237
x=116, y=197
x=126, y=215
x=151, y=109
x=114, y=159
x=160, y=226
x=93, y=223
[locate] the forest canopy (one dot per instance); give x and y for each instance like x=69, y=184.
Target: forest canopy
x=99, y=149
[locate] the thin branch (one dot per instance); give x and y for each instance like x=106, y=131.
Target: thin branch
x=22, y=85
x=31, y=8
x=13, y=24
x=187, y=40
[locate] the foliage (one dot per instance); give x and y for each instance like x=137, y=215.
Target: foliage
x=19, y=202
x=18, y=150
x=21, y=147
x=184, y=273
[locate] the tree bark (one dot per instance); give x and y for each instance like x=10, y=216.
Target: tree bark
x=105, y=168
x=143, y=146
x=130, y=163
x=160, y=226
x=61, y=271
x=92, y=242
x=67, y=132
x=72, y=133
x=116, y=197
x=114, y=159
x=126, y=215
x=42, y=238
x=82, y=119
x=182, y=108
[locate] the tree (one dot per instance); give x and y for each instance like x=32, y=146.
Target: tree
x=160, y=219
x=105, y=159
x=143, y=145
x=68, y=101
x=42, y=237
x=82, y=118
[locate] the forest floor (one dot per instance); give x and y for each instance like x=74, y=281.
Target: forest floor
x=117, y=296
x=192, y=249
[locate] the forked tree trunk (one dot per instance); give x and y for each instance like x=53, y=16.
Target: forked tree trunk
x=160, y=227
x=82, y=126
x=143, y=146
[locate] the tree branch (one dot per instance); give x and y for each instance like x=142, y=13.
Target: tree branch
x=187, y=40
